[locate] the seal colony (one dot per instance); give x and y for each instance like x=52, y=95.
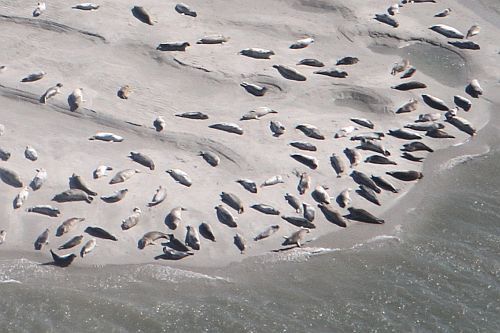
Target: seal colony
x=227, y=148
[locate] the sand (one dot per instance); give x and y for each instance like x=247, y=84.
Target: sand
x=102, y=50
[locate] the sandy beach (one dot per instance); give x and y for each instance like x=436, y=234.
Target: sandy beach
x=105, y=49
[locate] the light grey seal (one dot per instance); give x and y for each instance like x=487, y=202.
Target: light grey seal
x=212, y=39
x=337, y=164
x=77, y=182
x=233, y=201
x=173, y=46
x=51, y=92
x=174, y=217
x=34, y=77
x=86, y=6
x=44, y=210
x=228, y=127
x=142, y=159
x=40, y=8
x=101, y=171
x=184, y=9
x=294, y=202
x=225, y=216
x=274, y=180
x=115, y=197
x=77, y=240
x=302, y=43
x=62, y=261
x=192, y=238
x=123, y=175
x=267, y=232
x=73, y=195
x=361, y=215
x=68, y=225
x=88, y=247
x=304, y=183
x=10, y=177
x=447, y=31
x=21, y=197
x=150, y=237
x=444, y=13
x=257, y=53
x=210, y=157
x=254, y=89
x=368, y=136
x=400, y=67
x=258, y=113
x=108, y=137
x=290, y=73
x=277, y=128
x=310, y=161
x=296, y=238
x=43, y=239
x=132, y=220
x=159, y=196
x=473, y=31
x=180, y=176
x=240, y=243
x=142, y=15
x=75, y=99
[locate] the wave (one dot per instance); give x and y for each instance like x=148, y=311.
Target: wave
x=448, y=165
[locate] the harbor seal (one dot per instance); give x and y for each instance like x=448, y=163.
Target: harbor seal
x=362, y=179
x=233, y=201
x=267, y=232
x=304, y=183
x=173, y=46
x=44, y=210
x=51, y=92
x=320, y=195
x=100, y=233
x=174, y=217
x=108, y=137
x=11, y=177
x=170, y=254
x=402, y=133
x=227, y=127
x=34, y=76
x=384, y=18
x=258, y=113
x=338, y=164
x=159, y=196
x=248, y=185
x=462, y=124
x=159, y=124
x=361, y=215
x=86, y=6
x=466, y=45
x=75, y=99
x=296, y=238
x=21, y=197
x=384, y=184
x=353, y=155
x=132, y=220
x=142, y=159
x=193, y=115
x=309, y=161
x=332, y=215
x=309, y=212
x=192, y=239
x=378, y=159
x=406, y=176
x=77, y=182
x=73, y=195
x=101, y=171
x=310, y=131
x=344, y=198
x=462, y=102
x=411, y=157
x=368, y=194
x=257, y=53
x=40, y=8
x=302, y=43
x=447, y=31
x=3, y=234
x=374, y=146
x=207, y=231
x=213, y=39
x=277, y=128
x=274, y=180
x=115, y=197
x=473, y=31
x=123, y=175
x=42, y=239
x=176, y=244
x=142, y=15
x=294, y=202
x=347, y=61
x=416, y=146
x=88, y=247
x=474, y=89
x=30, y=153
x=299, y=221
x=62, y=261
x=311, y=62
x=400, y=67
x=240, y=243
x=124, y=92
x=180, y=177
x=332, y=72
x=254, y=89
x=411, y=85
x=77, y=240
x=184, y=9
x=225, y=216
x=363, y=122
x=68, y=225
x=266, y=209
x=444, y=13
x=290, y=73
x=210, y=157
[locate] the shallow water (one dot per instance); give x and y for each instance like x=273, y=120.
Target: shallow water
x=440, y=273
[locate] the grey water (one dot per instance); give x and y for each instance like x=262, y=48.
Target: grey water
x=440, y=272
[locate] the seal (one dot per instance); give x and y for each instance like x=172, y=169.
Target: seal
x=115, y=197
x=170, y=254
x=176, y=244
x=206, y=231
x=462, y=102
x=406, y=176
x=309, y=161
x=411, y=85
x=332, y=215
x=173, y=46
x=228, y=127
x=473, y=31
x=88, y=247
x=435, y=103
x=402, y=133
x=344, y=198
x=384, y=184
x=439, y=134
x=86, y=6
x=368, y=194
x=68, y=225
x=309, y=212
x=384, y=18
x=225, y=216
x=34, y=77
x=258, y=113
x=184, y=9
x=302, y=43
x=254, y=89
x=142, y=159
x=75, y=99
x=363, y=122
x=132, y=220
x=345, y=131
x=232, y=201
x=3, y=234
x=100, y=233
x=425, y=127
x=123, y=175
x=361, y=215
x=416, y=146
x=338, y=164
x=304, y=183
x=159, y=124
x=408, y=73
x=4, y=155
x=374, y=146
x=248, y=185
x=347, y=61
x=294, y=202
x=192, y=239
x=377, y=159
x=332, y=72
x=393, y=9
x=447, y=31
x=21, y=197
x=240, y=243
x=310, y=131
x=193, y=115
x=101, y=171
x=265, y=209
x=363, y=179
x=462, y=124
x=77, y=240
x=44, y=210
x=30, y=153
x=174, y=217
x=428, y=117
x=277, y=128
x=299, y=221
x=296, y=238
x=180, y=176
x=368, y=136
x=108, y=137
x=444, y=13
x=62, y=261
x=257, y=53
x=400, y=67
x=159, y=196
x=42, y=239
x=124, y=92
x=213, y=39
x=353, y=155
x=467, y=45
x=210, y=157
x=311, y=62
x=411, y=157
x=267, y=232
x=40, y=8
x=77, y=182
x=51, y=92
x=10, y=177
x=274, y=180
x=474, y=89
x=142, y=15
x=320, y=195
x=290, y=73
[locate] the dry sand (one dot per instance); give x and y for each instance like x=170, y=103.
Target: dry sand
x=102, y=50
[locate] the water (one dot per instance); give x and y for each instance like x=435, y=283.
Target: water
x=439, y=273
